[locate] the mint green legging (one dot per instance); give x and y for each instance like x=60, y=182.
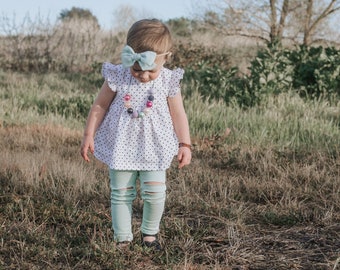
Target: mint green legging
x=123, y=193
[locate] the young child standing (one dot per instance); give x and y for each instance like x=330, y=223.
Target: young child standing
x=136, y=126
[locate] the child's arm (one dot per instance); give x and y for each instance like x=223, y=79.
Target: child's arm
x=180, y=122
x=96, y=116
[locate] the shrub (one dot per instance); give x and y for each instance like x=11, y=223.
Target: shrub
x=271, y=72
x=311, y=72
x=189, y=55
x=210, y=71
x=314, y=72
x=317, y=72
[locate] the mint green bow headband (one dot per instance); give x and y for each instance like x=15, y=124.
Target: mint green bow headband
x=146, y=60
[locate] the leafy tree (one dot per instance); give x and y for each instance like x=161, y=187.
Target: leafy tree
x=77, y=14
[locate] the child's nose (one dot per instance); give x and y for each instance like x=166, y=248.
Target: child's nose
x=143, y=75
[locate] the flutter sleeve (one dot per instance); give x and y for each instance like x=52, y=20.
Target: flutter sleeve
x=174, y=83
x=110, y=73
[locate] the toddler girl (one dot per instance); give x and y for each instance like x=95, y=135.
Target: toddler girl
x=136, y=126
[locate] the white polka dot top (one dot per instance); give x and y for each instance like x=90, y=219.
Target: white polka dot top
x=125, y=142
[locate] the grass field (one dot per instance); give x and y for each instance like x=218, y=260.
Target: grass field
x=262, y=191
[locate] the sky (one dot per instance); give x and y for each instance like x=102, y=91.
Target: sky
x=103, y=9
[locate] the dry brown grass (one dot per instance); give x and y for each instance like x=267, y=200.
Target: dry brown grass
x=232, y=208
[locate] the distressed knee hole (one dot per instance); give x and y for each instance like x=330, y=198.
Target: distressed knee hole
x=128, y=188
x=123, y=194
x=153, y=191
x=154, y=187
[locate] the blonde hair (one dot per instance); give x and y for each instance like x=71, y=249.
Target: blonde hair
x=149, y=35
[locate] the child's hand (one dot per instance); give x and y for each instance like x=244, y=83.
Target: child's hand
x=183, y=156
x=87, y=144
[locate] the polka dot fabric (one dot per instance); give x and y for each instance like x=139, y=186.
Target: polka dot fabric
x=148, y=143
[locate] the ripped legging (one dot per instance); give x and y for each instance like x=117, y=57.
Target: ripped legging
x=123, y=192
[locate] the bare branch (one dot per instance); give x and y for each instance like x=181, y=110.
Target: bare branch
x=273, y=19
x=324, y=14
x=310, y=27
x=284, y=13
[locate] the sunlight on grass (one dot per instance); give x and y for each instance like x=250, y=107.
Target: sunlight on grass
x=285, y=121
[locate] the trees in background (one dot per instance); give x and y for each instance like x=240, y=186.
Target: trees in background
x=124, y=17
x=74, y=42
x=314, y=19
x=273, y=21
x=76, y=13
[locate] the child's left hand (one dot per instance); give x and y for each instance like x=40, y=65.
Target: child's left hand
x=87, y=144
x=183, y=156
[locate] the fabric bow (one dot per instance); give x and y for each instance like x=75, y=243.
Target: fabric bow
x=146, y=60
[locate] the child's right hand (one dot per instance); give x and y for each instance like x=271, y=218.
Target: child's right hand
x=87, y=144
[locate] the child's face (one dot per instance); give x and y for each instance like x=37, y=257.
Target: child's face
x=145, y=76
